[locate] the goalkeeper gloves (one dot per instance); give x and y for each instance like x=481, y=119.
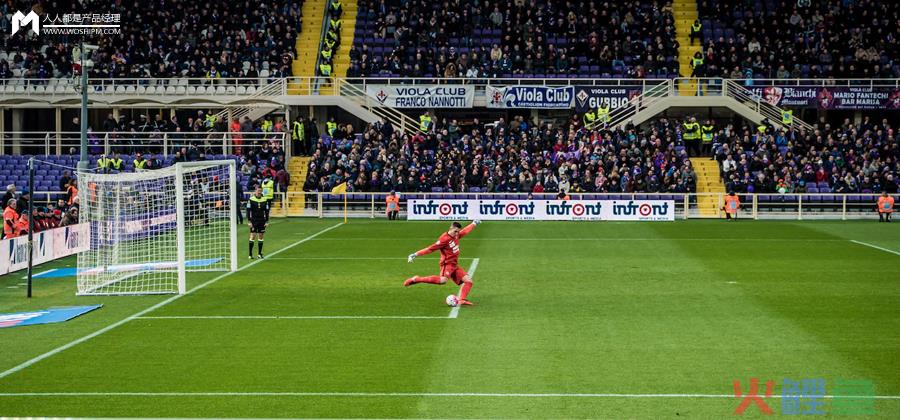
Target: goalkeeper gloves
x=411, y=257
x=476, y=222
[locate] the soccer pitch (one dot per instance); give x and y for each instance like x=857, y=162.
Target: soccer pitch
x=572, y=320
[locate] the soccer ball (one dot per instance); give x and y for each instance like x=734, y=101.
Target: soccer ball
x=452, y=301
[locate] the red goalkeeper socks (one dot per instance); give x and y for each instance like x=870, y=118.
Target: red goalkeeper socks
x=464, y=290
x=429, y=279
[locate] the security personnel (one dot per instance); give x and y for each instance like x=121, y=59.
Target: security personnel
x=103, y=164
x=335, y=24
x=116, y=163
x=885, y=207
x=787, y=118
x=763, y=127
x=331, y=127
x=691, y=136
x=589, y=118
x=424, y=122
x=210, y=120
x=267, y=125
x=697, y=65
x=336, y=9
x=329, y=43
x=325, y=69
x=696, y=31
x=603, y=113
x=707, y=130
x=732, y=205
x=268, y=191
x=10, y=217
x=139, y=163
x=298, y=134
x=326, y=54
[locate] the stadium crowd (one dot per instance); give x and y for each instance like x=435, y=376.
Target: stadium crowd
x=470, y=38
x=799, y=39
x=517, y=156
x=165, y=38
x=513, y=156
x=846, y=158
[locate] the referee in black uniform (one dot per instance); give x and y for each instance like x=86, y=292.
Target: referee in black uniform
x=258, y=220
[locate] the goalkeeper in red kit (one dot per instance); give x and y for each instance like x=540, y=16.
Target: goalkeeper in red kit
x=448, y=244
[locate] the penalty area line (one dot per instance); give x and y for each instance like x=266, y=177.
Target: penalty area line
x=121, y=322
x=410, y=394
x=454, y=312
x=875, y=246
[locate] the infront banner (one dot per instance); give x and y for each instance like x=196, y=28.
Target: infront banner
x=589, y=98
x=533, y=97
x=48, y=246
x=830, y=97
x=573, y=210
x=423, y=96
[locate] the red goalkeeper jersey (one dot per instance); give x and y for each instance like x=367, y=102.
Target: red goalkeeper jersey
x=448, y=245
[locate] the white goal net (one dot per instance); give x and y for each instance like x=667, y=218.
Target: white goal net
x=149, y=228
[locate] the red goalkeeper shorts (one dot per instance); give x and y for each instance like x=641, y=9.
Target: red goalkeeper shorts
x=454, y=273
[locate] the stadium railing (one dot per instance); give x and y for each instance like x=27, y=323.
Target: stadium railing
x=793, y=206
x=160, y=143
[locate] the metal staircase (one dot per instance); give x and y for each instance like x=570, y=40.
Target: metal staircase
x=357, y=94
x=747, y=98
x=621, y=116
x=710, y=92
x=270, y=90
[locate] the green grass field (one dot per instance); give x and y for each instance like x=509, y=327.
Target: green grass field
x=573, y=320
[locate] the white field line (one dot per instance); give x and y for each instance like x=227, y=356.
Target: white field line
x=597, y=239
x=355, y=258
x=41, y=273
x=152, y=308
x=264, y=317
x=407, y=394
x=454, y=312
x=876, y=247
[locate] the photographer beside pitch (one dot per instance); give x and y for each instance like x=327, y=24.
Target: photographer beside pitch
x=257, y=219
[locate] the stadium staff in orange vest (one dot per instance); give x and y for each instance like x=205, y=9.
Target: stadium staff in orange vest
x=732, y=205
x=10, y=217
x=563, y=196
x=885, y=207
x=71, y=192
x=392, y=203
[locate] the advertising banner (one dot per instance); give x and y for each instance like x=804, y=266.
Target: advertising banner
x=591, y=97
x=533, y=97
x=423, y=96
x=831, y=97
x=573, y=210
x=48, y=246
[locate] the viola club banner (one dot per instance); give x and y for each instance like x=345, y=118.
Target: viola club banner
x=830, y=97
x=573, y=210
x=423, y=96
x=534, y=97
x=591, y=97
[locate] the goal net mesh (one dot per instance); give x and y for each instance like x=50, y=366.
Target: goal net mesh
x=137, y=219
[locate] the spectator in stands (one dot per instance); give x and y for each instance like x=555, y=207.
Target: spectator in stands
x=10, y=194
x=70, y=218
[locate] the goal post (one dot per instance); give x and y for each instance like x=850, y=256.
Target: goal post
x=150, y=228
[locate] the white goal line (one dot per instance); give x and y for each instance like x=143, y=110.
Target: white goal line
x=411, y=394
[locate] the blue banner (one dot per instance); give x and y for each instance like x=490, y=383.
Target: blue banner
x=44, y=316
x=537, y=97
